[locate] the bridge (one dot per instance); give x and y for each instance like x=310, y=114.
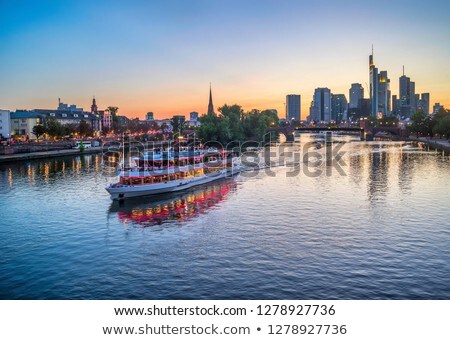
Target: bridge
x=364, y=130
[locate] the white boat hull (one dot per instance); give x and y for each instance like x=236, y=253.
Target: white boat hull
x=120, y=192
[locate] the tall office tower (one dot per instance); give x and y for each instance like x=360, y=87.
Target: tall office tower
x=416, y=102
x=412, y=91
x=384, y=95
x=322, y=104
x=313, y=113
x=380, y=93
x=395, y=105
x=425, y=103
x=293, y=107
x=338, y=107
x=373, y=79
x=407, y=94
x=356, y=93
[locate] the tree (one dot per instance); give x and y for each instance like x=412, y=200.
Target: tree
x=84, y=129
x=443, y=127
x=441, y=114
x=54, y=128
x=233, y=124
x=71, y=129
x=234, y=114
x=113, y=111
x=38, y=130
x=421, y=124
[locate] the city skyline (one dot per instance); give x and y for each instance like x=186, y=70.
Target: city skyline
x=161, y=57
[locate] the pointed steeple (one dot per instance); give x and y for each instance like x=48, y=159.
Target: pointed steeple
x=210, y=105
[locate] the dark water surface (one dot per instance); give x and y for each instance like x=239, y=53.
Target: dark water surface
x=381, y=231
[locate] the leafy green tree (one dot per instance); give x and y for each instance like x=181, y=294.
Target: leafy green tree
x=39, y=130
x=438, y=117
x=54, y=128
x=234, y=114
x=71, y=129
x=443, y=126
x=85, y=129
x=421, y=124
x=214, y=129
x=233, y=124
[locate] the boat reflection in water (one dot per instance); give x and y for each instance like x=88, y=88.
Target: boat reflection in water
x=181, y=207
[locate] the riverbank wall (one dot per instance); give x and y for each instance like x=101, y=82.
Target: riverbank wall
x=48, y=154
x=439, y=144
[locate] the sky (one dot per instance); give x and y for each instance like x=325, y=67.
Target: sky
x=161, y=56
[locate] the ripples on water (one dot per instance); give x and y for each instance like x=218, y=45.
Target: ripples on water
x=382, y=231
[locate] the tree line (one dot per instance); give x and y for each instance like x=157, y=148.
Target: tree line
x=234, y=124
x=424, y=125
x=55, y=129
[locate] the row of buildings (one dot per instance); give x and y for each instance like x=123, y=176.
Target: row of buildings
x=325, y=107
x=328, y=107
x=20, y=123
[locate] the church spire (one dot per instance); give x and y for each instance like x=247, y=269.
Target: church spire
x=210, y=105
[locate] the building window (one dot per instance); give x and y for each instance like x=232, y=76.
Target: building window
x=64, y=114
x=24, y=120
x=86, y=116
x=75, y=115
x=52, y=114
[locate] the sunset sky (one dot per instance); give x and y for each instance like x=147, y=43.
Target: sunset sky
x=160, y=56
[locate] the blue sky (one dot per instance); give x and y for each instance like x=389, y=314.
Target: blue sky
x=161, y=55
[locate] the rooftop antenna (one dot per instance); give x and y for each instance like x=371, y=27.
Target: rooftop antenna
x=372, y=49
x=403, y=69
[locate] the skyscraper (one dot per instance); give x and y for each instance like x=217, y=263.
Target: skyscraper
x=395, y=105
x=338, y=107
x=380, y=93
x=293, y=107
x=405, y=95
x=321, y=105
x=356, y=93
x=384, y=94
x=373, y=78
x=425, y=103
x=210, y=104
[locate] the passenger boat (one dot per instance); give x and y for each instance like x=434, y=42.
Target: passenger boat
x=164, y=171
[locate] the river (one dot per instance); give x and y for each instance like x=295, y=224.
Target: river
x=376, y=226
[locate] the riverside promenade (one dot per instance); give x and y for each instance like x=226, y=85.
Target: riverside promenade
x=47, y=154
x=440, y=144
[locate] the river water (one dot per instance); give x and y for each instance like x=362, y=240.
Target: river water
x=374, y=226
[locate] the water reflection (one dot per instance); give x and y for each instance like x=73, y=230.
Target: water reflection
x=47, y=170
x=180, y=207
